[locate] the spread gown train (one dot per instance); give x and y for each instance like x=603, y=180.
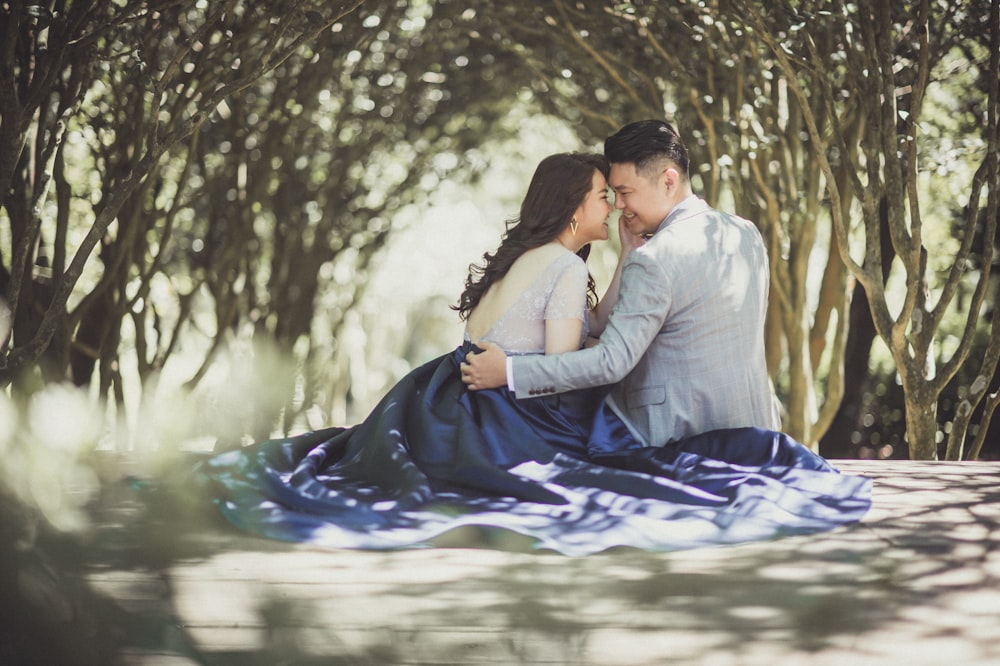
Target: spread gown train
x=562, y=470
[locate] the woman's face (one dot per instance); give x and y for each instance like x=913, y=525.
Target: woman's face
x=592, y=214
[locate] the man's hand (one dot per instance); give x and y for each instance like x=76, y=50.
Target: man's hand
x=485, y=370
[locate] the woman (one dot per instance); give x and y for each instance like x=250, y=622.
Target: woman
x=433, y=456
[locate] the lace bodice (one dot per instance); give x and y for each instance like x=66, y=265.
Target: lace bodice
x=559, y=292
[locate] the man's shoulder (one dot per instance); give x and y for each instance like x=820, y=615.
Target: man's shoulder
x=726, y=216
x=670, y=252
x=745, y=227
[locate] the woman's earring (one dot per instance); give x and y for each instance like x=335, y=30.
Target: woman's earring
x=573, y=225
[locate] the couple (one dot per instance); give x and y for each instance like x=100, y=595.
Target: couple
x=645, y=419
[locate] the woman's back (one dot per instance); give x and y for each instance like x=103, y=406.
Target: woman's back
x=545, y=283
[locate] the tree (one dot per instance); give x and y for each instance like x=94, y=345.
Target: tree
x=778, y=112
x=237, y=204
x=175, y=64
x=319, y=158
x=233, y=161
x=891, y=54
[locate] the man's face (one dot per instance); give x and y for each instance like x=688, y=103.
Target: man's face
x=643, y=200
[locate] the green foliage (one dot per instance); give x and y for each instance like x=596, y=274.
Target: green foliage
x=206, y=174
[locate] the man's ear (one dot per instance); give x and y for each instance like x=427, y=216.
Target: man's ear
x=669, y=179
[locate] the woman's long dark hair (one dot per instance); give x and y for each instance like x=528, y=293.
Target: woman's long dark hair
x=559, y=186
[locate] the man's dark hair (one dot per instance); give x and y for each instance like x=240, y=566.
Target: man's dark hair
x=646, y=143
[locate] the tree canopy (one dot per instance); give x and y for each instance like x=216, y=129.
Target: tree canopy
x=182, y=174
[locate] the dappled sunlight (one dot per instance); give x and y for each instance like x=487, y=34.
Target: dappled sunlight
x=6, y=320
x=916, y=581
x=242, y=393
x=181, y=188
x=44, y=448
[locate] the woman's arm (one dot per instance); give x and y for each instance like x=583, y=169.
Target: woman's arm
x=562, y=335
x=565, y=310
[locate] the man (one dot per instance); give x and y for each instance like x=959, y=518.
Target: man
x=685, y=340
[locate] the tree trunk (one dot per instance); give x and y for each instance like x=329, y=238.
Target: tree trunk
x=921, y=423
x=801, y=402
x=837, y=442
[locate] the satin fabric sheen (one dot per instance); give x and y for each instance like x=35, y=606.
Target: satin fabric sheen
x=560, y=470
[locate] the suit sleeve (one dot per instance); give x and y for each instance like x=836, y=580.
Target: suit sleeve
x=643, y=304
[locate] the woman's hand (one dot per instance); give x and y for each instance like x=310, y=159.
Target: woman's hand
x=599, y=315
x=629, y=241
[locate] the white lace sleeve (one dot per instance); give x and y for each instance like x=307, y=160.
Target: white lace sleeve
x=568, y=299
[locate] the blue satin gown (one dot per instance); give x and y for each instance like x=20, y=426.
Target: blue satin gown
x=560, y=469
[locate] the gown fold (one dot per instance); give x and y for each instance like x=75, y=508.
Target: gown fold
x=561, y=470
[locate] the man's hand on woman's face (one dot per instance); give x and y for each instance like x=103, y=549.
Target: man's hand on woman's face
x=485, y=370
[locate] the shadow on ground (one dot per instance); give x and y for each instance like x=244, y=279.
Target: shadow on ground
x=161, y=577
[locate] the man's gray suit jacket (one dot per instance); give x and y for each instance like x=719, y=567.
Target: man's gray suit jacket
x=685, y=341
